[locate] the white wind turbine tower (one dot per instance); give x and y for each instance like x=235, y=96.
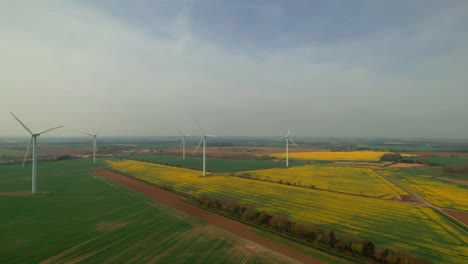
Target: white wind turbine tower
x=203, y=139
x=287, y=146
x=34, y=150
x=94, y=143
x=184, y=136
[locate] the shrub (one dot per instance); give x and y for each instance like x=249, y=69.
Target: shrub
x=393, y=157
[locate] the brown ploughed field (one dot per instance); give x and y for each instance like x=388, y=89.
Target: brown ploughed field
x=176, y=201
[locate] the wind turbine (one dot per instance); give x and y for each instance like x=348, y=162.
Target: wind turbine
x=184, y=136
x=34, y=150
x=94, y=143
x=203, y=139
x=287, y=146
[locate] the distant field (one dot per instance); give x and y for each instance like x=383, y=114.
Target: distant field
x=449, y=160
x=404, y=147
x=425, y=182
x=354, y=180
x=442, y=161
x=213, y=164
x=418, y=229
x=12, y=153
x=335, y=155
x=82, y=217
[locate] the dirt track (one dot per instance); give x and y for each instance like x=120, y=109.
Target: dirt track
x=460, y=216
x=176, y=201
x=455, y=215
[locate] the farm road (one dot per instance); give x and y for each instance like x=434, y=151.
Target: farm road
x=177, y=201
x=424, y=202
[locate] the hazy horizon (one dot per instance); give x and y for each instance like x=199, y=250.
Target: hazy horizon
x=371, y=69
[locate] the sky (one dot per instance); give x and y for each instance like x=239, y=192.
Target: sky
x=331, y=68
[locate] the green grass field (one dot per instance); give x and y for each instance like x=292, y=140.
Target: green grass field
x=214, y=164
x=81, y=217
x=442, y=161
x=417, y=229
x=403, y=147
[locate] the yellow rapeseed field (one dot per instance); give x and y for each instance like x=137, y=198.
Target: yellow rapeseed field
x=386, y=223
x=335, y=155
x=437, y=192
x=355, y=180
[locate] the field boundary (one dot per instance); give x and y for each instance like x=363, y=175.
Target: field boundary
x=177, y=202
x=238, y=174
x=452, y=220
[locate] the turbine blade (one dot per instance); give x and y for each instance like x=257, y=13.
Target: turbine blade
x=27, y=151
x=86, y=133
x=211, y=136
x=182, y=134
x=294, y=143
x=289, y=131
x=47, y=130
x=201, y=140
x=99, y=131
x=199, y=127
x=25, y=127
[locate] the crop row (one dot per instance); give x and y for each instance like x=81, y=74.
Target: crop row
x=355, y=180
x=386, y=223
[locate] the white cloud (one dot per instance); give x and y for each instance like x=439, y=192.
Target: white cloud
x=67, y=62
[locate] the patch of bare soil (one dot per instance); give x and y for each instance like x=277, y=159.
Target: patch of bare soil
x=407, y=165
x=176, y=201
x=465, y=182
x=19, y=193
x=361, y=163
x=409, y=199
x=459, y=215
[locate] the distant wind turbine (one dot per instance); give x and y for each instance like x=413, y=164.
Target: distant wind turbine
x=287, y=146
x=34, y=150
x=94, y=143
x=203, y=139
x=184, y=136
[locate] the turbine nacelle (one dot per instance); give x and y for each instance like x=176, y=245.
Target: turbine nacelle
x=33, y=140
x=203, y=139
x=182, y=143
x=94, y=142
x=288, y=139
x=183, y=134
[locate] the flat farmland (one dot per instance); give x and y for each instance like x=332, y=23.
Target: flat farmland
x=448, y=160
x=426, y=183
x=335, y=155
x=214, y=164
x=239, y=152
x=79, y=216
x=354, y=180
x=418, y=229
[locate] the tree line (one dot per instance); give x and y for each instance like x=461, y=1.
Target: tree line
x=326, y=239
